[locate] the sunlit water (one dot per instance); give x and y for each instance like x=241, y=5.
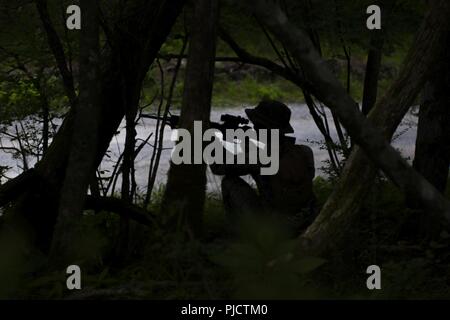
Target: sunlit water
x=306, y=133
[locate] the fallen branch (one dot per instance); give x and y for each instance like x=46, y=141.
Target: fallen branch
x=120, y=207
x=12, y=189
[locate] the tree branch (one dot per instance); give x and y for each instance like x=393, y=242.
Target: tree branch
x=247, y=57
x=12, y=189
x=121, y=207
x=57, y=49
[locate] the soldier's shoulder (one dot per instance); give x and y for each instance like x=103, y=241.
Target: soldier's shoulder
x=302, y=148
x=299, y=151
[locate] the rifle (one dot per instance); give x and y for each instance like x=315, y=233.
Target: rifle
x=228, y=121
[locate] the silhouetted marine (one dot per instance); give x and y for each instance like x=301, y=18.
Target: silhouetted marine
x=288, y=194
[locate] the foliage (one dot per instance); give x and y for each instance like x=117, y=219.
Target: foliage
x=265, y=264
x=254, y=260
x=249, y=90
x=18, y=100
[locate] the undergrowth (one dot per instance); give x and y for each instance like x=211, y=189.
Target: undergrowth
x=253, y=260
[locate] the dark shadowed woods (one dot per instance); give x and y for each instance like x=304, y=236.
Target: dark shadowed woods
x=132, y=59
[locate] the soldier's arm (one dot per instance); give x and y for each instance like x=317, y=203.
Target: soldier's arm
x=310, y=162
x=234, y=169
x=308, y=158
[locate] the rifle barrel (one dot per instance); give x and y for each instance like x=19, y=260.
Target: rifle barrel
x=228, y=121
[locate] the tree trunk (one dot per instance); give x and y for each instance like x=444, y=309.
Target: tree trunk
x=432, y=156
x=372, y=72
x=127, y=171
x=83, y=148
x=185, y=190
x=364, y=132
x=128, y=60
x=432, y=153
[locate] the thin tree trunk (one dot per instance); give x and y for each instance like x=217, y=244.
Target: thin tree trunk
x=45, y=125
x=83, y=148
x=94, y=187
x=372, y=72
x=331, y=149
x=127, y=170
x=185, y=191
x=159, y=137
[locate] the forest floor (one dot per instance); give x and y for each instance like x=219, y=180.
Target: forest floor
x=255, y=260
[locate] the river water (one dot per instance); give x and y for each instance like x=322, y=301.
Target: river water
x=306, y=133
